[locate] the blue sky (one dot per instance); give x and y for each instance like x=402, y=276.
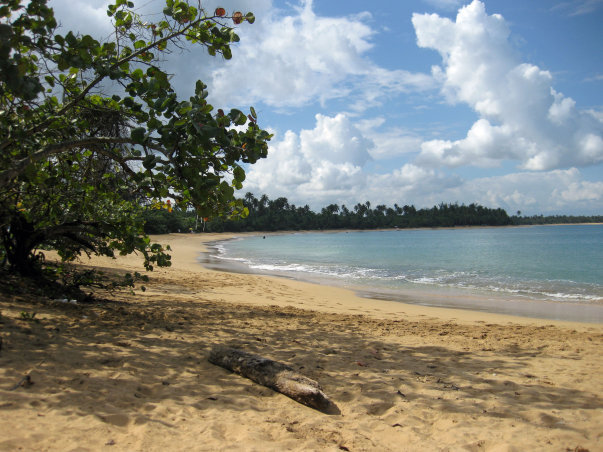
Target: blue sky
x=498, y=102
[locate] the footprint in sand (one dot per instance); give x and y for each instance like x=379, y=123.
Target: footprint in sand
x=119, y=419
x=378, y=409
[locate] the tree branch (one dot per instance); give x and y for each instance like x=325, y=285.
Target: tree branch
x=53, y=149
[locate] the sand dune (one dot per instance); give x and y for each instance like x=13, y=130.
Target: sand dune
x=130, y=372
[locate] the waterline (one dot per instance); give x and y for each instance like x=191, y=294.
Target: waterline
x=549, y=272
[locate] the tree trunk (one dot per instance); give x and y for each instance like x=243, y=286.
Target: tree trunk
x=274, y=375
x=19, y=245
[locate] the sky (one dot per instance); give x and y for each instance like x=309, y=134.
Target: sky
x=496, y=102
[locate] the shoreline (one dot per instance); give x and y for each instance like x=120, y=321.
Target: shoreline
x=440, y=297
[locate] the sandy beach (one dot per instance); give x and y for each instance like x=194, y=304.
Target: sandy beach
x=130, y=371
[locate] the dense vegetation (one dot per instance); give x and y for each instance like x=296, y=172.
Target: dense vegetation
x=556, y=219
x=278, y=215
x=77, y=166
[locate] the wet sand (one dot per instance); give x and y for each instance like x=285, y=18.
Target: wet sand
x=472, y=300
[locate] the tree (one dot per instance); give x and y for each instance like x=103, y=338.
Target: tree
x=77, y=165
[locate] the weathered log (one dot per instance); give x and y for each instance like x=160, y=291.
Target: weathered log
x=274, y=375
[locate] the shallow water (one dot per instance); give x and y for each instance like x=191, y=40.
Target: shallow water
x=485, y=267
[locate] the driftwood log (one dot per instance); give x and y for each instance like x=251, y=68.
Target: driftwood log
x=274, y=375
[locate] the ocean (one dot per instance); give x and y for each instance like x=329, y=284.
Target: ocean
x=541, y=271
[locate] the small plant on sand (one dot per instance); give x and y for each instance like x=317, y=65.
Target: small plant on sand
x=29, y=316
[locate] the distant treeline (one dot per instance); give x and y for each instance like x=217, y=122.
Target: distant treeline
x=278, y=215
x=556, y=219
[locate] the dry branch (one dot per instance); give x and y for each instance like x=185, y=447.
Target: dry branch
x=274, y=375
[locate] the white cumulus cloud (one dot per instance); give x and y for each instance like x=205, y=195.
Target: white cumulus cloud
x=83, y=16
x=317, y=164
x=521, y=116
x=533, y=192
x=581, y=192
x=389, y=142
x=297, y=59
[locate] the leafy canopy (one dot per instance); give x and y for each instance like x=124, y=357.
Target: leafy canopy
x=77, y=165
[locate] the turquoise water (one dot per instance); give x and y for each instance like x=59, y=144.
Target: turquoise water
x=558, y=263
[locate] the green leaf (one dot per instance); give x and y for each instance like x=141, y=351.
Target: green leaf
x=137, y=134
x=137, y=74
x=149, y=162
x=71, y=39
x=184, y=108
x=237, y=116
x=239, y=173
x=62, y=64
x=199, y=87
x=154, y=123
